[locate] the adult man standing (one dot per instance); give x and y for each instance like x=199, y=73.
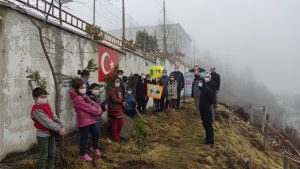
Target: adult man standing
x=180, y=81
x=216, y=78
x=163, y=81
x=120, y=76
x=141, y=93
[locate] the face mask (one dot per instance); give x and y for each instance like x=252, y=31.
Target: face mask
x=120, y=76
x=200, y=84
x=176, y=70
x=82, y=91
x=206, y=80
x=129, y=92
x=95, y=92
x=172, y=79
x=42, y=100
x=143, y=77
x=117, y=84
x=165, y=74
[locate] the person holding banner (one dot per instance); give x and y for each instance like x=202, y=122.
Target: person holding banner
x=141, y=93
x=172, y=92
x=180, y=83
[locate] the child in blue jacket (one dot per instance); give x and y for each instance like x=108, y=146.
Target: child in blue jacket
x=130, y=103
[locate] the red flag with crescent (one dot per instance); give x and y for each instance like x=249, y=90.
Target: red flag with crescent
x=108, y=59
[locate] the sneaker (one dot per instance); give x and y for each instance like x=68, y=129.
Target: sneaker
x=96, y=151
x=86, y=157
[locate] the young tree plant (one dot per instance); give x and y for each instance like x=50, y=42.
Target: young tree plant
x=140, y=135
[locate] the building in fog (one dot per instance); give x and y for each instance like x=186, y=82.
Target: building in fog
x=178, y=41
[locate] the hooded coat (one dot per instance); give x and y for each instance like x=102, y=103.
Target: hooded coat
x=86, y=109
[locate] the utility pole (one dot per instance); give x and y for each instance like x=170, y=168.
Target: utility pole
x=59, y=3
x=94, y=15
x=164, y=38
x=123, y=23
x=194, y=52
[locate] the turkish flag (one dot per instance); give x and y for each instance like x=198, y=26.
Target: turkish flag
x=108, y=59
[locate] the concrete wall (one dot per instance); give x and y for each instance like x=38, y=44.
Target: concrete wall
x=20, y=49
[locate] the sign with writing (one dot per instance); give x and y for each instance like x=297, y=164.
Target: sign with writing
x=154, y=91
x=189, y=79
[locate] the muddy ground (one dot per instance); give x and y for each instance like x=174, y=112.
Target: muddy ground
x=174, y=141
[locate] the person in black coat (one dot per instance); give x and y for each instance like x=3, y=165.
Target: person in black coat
x=180, y=83
x=212, y=86
x=120, y=75
x=141, y=93
x=206, y=100
x=163, y=81
x=217, y=79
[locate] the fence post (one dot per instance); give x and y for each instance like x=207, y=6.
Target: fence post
x=286, y=162
x=263, y=120
x=251, y=114
x=266, y=133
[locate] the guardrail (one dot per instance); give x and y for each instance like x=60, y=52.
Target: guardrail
x=291, y=155
x=65, y=17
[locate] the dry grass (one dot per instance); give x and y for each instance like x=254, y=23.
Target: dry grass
x=175, y=141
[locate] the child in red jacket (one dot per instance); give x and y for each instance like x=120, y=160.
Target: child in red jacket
x=46, y=124
x=116, y=106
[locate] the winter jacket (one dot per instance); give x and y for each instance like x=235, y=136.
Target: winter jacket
x=129, y=99
x=206, y=97
x=163, y=81
x=172, y=90
x=115, y=102
x=216, y=78
x=141, y=88
x=44, y=120
x=179, y=78
x=122, y=88
x=86, y=109
x=195, y=88
x=212, y=86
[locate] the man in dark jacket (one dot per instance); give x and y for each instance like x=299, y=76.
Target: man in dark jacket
x=141, y=93
x=163, y=81
x=206, y=99
x=120, y=76
x=180, y=81
x=212, y=86
x=216, y=78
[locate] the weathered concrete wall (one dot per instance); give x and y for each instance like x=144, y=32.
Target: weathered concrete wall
x=20, y=49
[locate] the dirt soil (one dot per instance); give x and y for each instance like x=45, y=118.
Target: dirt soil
x=175, y=141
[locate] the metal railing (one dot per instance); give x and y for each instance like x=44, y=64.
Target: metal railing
x=55, y=12
x=75, y=22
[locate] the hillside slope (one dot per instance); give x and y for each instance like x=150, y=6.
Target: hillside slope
x=175, y=142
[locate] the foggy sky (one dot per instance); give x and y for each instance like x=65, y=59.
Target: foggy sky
x=261, y=34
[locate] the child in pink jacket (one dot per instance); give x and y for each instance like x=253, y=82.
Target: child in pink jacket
x=87, y=112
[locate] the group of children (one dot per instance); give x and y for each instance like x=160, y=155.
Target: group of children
x=90, y=102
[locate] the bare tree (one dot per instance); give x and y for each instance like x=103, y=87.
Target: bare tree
x=40, y=27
